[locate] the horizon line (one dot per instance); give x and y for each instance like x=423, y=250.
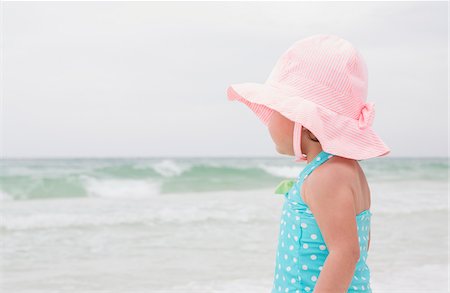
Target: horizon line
x=194, y=157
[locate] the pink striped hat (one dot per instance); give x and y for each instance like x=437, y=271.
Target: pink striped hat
x=320, y=82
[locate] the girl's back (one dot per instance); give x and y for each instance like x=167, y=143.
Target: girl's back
x=358, y=181
x=302, y=251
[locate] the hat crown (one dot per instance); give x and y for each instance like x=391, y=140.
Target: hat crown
x=327, y=69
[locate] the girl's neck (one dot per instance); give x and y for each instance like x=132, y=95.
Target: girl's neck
x=312, y=153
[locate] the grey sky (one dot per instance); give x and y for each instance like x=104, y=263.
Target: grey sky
x=104, y=79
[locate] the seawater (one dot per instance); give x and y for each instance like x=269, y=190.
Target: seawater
x=199, y=224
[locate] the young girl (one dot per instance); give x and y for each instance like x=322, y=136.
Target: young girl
x=314, y=105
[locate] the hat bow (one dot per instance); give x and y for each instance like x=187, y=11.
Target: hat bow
x=366, y=115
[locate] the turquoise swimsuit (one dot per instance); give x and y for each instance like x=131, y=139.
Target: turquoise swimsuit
x=301, y=251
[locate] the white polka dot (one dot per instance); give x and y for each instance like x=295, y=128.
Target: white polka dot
x=320, y=268
x=363, y=278
x=307, y=289
x=288, y=269
x=354, y=287
x=279, y=288
x=303, y=225
x=282, y=231
x=293, y=227
x=329, y=156
x=291, y=247
x=289, y=214
x=286, y=290
x=313, y=278
x=289, y=235
x=313, y=257
x=322, y=247
x=285, y=256
x=294, y=259
x=362, y=287
x=304, y=267
x=276, y=276
x=295, y=238
x=279, y=266
x=305, y=245
x=297, y=218
x=292, y=280
x=313, y=236
x=318, y=159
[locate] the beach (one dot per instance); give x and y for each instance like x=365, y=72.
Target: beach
x=199, y=224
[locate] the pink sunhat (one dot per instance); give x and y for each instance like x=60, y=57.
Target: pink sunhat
x=320, y=82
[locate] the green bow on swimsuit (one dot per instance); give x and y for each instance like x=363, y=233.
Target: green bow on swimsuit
x=284, y=186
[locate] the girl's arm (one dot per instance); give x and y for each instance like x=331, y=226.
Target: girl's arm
x=330, y=198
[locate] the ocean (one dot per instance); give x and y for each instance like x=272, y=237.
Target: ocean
x=199, y=224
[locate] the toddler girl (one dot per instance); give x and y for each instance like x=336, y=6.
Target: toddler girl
x=314, y=105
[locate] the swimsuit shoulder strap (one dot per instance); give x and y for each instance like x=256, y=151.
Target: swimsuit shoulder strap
x=321, y=158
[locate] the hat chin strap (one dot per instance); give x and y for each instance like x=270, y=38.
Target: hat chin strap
x=299, y=156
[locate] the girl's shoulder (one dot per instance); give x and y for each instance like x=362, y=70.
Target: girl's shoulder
x=336, y=173
x=336, y=168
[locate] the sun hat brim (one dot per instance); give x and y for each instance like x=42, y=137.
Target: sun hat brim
x=338, y=134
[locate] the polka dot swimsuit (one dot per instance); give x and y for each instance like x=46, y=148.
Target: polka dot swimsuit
x=301, y=251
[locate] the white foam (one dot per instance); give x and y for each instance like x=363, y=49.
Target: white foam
x=120, y=188
x=110, y=205
x=44, y=221
x=408, y=198
x=74, y=218
x=281, y=171
x=186, y=208
x=169, y=168
x=4, y=196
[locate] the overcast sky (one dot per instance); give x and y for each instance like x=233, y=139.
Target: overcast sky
x=106, y=79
